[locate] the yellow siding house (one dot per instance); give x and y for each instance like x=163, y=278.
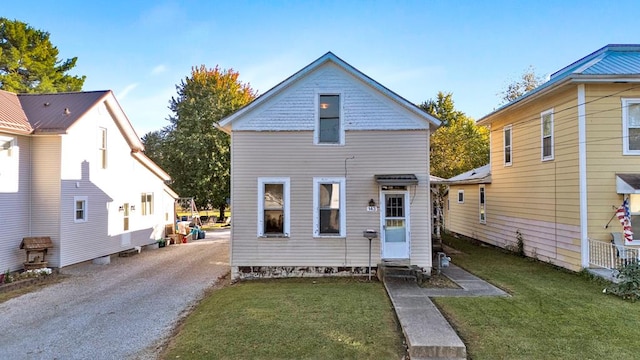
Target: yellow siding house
x=564, y=156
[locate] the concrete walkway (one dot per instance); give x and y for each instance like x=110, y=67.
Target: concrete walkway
x=427, y=332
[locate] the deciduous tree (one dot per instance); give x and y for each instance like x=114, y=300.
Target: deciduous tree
x=29, y=62
x=192, y=150
x=459, y=145
x=527, y=82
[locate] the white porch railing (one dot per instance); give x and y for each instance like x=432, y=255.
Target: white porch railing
x=611, y=256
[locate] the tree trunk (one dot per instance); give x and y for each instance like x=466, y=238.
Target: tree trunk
x=221, y=214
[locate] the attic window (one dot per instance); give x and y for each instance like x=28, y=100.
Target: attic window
x=329, y=126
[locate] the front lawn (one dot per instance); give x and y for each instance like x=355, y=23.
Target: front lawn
x=326, y=318
x=553, y=313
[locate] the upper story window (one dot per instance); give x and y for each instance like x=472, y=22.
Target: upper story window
x=329, y=218
x=102, y=148
x=460, y=196
x=273, y=207
x=146, y=203
x=329, y=128
x=9, y=164
x=546, y=123
x=507, y=132
x=631, y=126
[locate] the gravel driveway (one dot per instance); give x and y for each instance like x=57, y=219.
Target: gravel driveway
x=124, y=310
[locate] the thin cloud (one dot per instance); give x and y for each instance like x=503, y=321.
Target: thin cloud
x=127, y=90
x=158, y=69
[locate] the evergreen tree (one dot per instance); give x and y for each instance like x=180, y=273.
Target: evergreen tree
x=29, y=62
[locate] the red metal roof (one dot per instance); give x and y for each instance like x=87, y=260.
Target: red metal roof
x=58, y=111
x=12, y=117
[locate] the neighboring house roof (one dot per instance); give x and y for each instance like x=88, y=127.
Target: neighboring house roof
x=56, y=112
x=614, y=62
x=12, y=116
x=225, y=124
x=480, y=175
x=436, y=180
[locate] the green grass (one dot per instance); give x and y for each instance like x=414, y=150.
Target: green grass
x=325, y=318
x=552, y=314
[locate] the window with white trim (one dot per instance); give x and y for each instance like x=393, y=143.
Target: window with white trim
x=102, y=148
x=329, y=209
x=9, y=164
x=634, y=215
x=146, y=203
x=546, y=124
x=631, y=126
x=80, y=208
x=329, y=129
x=460, y=196
x=507, y=145
x=273, y=207
x=483, y=205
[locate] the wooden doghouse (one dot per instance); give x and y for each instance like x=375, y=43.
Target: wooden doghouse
x=38, y=247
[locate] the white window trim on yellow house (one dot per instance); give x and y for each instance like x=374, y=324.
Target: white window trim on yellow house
x=626, y=102
x=507, y=149
x=634, y=210
x=546, y=116
x=460, y=196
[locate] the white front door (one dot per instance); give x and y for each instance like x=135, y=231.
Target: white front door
x=395, y=225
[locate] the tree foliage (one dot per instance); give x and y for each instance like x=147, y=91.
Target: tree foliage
x=459, y=145
x=527, y=82
x=29, y=62
x=191, y=149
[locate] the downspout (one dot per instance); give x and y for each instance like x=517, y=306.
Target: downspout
x=582, y=173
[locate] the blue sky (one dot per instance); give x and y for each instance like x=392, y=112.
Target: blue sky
x=473, y=49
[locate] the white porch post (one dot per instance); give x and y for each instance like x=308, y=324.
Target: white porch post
x=582, y=170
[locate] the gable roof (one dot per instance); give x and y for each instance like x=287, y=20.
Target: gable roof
x=479, y=175
x=12, y=116
x=613, y=62
x=56, y=112
x=225, y=124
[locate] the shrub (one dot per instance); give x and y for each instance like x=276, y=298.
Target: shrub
x=629, y=286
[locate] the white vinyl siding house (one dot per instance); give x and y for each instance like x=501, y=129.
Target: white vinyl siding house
x=67, y=192
x=327, y=163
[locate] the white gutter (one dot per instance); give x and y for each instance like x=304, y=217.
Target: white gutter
x=582, y=171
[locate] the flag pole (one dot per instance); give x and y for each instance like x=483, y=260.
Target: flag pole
x=614, y=215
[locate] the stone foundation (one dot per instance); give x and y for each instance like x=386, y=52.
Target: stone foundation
x=276, y=272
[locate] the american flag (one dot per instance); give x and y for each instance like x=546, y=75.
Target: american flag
x=624, y=216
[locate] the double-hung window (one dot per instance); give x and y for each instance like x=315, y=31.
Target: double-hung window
x=146, y=203
x=9, y=164
x=273, y=207
x=507, y=145
x=329, y=214
x=631, y=126
x=483, y=206
x=546, y=123
x=80, y=208
x=102, y=148
x=329, y=129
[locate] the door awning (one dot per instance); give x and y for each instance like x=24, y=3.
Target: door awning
x=628, y=183
x=397, y=179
